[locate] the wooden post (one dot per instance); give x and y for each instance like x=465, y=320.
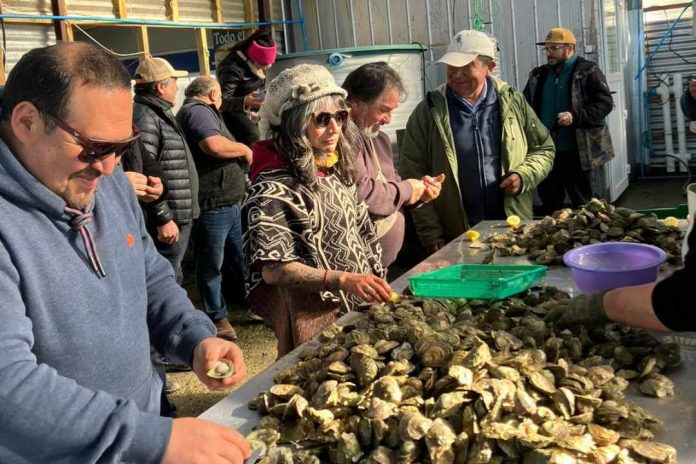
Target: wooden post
x=203, y=54
x=143, y=40
x=120, y=8
x=2, y=66
x=173, y=9
x=58, y=7
x=217, y=11
x=68, y=32
x=264, y=7
x=248, y=11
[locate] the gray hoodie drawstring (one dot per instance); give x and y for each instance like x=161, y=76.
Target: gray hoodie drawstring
x=79, y=223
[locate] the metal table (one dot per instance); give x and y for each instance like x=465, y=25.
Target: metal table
x=678, y=412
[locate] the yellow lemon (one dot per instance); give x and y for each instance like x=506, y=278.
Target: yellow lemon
x=513, y=221
x=472, y=235
x=394, y=297
x=671, y=221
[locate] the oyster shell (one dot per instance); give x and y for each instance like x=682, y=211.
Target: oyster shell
x=464, y=381
x=222, y=369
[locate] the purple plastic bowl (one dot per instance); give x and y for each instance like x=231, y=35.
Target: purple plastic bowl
x=603, y=266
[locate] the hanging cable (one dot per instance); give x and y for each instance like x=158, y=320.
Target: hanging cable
x=669, y=45
x=483, y=16
x=104, y=47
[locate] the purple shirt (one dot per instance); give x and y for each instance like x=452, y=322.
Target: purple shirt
x=383, y=198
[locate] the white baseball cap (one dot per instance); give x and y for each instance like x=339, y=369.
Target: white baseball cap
x=467, y=45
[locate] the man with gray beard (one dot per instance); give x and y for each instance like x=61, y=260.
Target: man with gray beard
x=374, y=92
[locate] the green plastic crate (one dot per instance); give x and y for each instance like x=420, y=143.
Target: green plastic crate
x=680, y=212
x=480, y=281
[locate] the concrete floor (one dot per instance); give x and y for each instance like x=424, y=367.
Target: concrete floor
x=650, y=194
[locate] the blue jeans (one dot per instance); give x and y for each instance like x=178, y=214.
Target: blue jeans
x=218, y=230
x=174, y=252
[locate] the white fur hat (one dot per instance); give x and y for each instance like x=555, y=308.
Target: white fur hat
x=294, y=86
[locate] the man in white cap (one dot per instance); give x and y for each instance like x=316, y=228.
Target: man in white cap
x=483, y=135
x=572, y=99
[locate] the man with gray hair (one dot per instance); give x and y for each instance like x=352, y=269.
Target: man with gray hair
x=374, y=92
x=221, y=164
x=483, y=135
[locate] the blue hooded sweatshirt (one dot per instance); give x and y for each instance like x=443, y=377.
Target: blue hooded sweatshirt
x=76, y=382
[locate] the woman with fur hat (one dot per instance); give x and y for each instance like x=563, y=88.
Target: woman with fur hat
x=310, y=249
x=242, y=76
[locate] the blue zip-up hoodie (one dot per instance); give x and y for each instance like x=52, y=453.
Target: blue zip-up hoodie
x=76, y=382
x=477, y=139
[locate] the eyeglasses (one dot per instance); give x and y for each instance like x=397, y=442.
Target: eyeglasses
x=95, y=149
x=323, y=119
x=547, y=50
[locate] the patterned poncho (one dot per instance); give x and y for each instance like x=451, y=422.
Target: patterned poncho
x=322, y=228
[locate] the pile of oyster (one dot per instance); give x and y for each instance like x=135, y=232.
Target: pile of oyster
x=457, y=381
x=595, y=222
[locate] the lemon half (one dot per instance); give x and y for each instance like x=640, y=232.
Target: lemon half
x=394, y=297
x=513, y=221
x=472, y=235
x=671, y=221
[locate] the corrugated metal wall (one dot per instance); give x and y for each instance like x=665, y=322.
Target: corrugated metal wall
x=189, y=10
x=232, y=11
x=677, y=55
x=346, y=23
x=27, y=7
x=195, y=11
x=147, y=9
x=102, y=8
x=23, y=37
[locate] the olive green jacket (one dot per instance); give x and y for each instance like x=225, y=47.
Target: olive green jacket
x=428, y=149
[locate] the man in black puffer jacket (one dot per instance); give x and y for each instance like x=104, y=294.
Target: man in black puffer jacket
x=155, y=95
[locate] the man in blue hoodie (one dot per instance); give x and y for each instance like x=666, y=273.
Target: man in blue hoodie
x=84, y=290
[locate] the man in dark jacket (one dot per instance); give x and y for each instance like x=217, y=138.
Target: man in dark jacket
x=155, y=95
x=572, y=99
x=221, y=162
x=145, y=175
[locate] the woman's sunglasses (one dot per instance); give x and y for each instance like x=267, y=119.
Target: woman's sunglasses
x=323, y=119
x=95, y=149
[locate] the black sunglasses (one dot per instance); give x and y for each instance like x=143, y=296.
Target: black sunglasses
x=323, y=119
x=95, y=149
